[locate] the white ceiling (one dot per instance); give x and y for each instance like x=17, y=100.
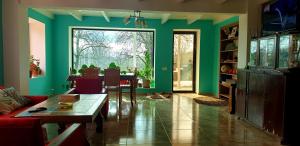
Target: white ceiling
x=164, y=16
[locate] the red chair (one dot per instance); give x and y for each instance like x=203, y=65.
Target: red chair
x=90, y=86
x=112, y=81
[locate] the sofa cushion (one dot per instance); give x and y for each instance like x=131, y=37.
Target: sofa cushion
x=8, y=104
x=14, y=113
x=11, y=92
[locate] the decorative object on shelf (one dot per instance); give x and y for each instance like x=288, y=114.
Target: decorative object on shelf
x=230, y=46
x=233, y=32
x=139, y=21
x=226, y=30
x=225, y=68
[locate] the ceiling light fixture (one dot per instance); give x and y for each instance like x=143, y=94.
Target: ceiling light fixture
x=136, y=17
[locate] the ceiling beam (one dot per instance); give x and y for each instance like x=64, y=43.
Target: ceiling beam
x=165, y=17
x=193, y=19
x=104, y=14
x=76, y=15
x=45, y=13
x=180, y=1
x=221, y=1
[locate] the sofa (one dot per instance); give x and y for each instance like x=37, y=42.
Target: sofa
x=29, y=131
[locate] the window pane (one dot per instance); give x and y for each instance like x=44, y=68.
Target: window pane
x=284, y=51
x=267, y=52
x=101, y=47
x=253, y=53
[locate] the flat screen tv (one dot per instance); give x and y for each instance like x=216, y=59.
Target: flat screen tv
x=280, y=16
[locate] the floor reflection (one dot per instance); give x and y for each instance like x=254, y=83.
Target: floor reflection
x=176, y=121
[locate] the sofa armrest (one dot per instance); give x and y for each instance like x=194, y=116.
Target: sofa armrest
x=21, y=131
x=36, y=99
x=73, y=135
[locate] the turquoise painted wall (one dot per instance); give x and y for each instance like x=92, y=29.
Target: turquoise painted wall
x=216, y=34
x=163, y=50
x=1, y=47
x=43, y=85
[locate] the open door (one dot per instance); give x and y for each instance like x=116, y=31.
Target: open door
x=184, y=58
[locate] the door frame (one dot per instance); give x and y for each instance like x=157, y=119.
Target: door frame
x=194, y=61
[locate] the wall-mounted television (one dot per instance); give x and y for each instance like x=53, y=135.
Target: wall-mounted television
x=280, y=16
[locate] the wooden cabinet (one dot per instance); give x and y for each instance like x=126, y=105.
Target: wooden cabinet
x=255, y=111
x=228, y=63
x=269, y=98
x=241, y=93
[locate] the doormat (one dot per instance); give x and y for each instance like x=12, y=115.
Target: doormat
x=213, y=101
x=160, y=96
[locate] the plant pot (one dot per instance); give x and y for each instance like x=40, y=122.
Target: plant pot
x=146, y=83
x=34, y=73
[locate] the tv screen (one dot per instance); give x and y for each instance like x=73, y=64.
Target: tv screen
x=279, y=16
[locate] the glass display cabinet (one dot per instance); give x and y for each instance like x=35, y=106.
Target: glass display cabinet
x=253, y=52
x=267, y=51
x=289, y=51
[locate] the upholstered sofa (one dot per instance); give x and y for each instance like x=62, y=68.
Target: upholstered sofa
x=29, y=131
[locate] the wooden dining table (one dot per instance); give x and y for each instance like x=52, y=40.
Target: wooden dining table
x=129, y=77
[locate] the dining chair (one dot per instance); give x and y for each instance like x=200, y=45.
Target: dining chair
x=91, y=86
x=112, y=82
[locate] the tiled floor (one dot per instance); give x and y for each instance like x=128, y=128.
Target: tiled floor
x=178, y=121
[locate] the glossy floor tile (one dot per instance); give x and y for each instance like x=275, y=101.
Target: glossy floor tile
x=178, y=121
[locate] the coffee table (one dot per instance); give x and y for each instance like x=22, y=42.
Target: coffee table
x=85, y=110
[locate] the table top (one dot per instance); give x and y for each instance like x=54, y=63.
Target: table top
x=84, y=110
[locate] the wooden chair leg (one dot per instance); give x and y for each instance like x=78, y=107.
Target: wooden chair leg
x=120, y=95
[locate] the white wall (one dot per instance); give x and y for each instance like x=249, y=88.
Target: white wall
x=15, y=44
x=37, y=39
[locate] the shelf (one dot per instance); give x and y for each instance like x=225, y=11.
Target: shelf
x=229, y=62
x=224, y=95
x=232, y=39
x=229, y=51
x=227, y=74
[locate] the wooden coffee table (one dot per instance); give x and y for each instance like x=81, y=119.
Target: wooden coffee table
x=87, y=109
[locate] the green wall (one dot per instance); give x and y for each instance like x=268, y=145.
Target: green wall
x=43, y=85
x=163, y=50
x=217, y=28
x=1, y=47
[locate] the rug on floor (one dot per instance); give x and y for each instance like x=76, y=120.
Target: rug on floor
x=206, y=99
x=160, y=96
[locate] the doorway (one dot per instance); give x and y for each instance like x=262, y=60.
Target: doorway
x=184, y=61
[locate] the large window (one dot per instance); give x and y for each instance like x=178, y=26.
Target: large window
x=100, y=47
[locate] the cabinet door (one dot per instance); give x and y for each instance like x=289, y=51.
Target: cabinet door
x=241, y=94
x=255, y=108
x=273, y=108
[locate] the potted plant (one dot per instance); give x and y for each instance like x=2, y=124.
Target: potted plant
x=34, y=70
x=83, y=67
x=146, y=73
